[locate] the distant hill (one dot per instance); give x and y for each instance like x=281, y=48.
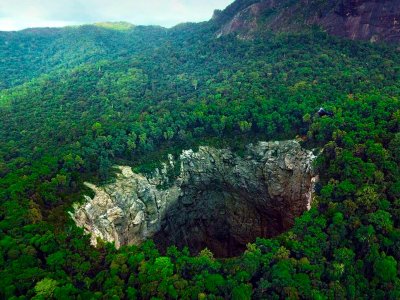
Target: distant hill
x=32, y=52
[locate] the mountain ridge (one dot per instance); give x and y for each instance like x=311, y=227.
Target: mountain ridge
x=368, y=20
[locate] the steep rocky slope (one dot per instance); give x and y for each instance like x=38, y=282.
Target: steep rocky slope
x=369, y=20
x=219, y=200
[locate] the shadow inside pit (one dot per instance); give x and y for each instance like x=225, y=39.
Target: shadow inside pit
x=221, y=219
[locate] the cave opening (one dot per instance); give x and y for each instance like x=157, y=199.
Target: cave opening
x=222, y=219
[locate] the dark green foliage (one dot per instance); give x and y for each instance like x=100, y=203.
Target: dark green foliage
x=136, y=93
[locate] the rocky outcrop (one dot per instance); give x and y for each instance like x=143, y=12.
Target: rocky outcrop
x=370, y=20
x=248, y=21
x=218, y=200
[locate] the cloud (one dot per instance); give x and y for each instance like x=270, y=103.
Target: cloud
x=20, y=14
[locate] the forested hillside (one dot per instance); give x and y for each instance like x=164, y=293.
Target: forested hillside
x=75, y=101
x=33, y=52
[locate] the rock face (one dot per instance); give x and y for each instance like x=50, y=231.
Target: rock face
x=373, y=20
x=247, y=21
x=219, y=200
x=370, y=20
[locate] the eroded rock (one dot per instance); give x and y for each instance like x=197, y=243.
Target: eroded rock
x=219, y=200
x=369, y=20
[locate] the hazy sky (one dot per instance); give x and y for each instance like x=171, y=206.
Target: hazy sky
x=19, y=14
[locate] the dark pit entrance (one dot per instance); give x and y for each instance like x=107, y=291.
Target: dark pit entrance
x=222, y=219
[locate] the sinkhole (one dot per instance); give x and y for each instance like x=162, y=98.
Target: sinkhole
x=209, y=198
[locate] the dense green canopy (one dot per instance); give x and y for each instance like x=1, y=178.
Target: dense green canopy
x=75, y=101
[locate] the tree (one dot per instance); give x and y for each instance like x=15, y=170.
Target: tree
x=245, y=126
x=385, y=268
x=242, y=292
x=382, y=220
x=97, y=129
x=45, y=288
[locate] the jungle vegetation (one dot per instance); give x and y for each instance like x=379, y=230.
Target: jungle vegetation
x=75, y=101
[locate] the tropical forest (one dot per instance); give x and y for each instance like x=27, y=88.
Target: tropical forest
x=252, y=156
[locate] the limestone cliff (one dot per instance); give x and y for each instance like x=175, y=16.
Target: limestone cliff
x=370, y=20
x=219, y=200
